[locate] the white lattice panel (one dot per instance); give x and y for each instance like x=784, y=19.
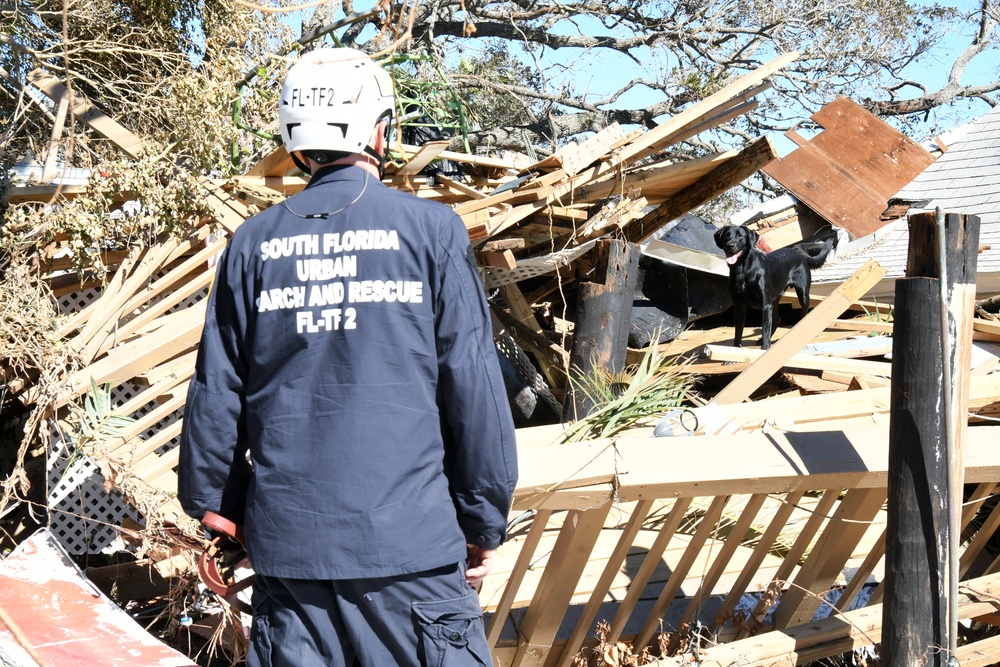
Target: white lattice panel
x=82, y=514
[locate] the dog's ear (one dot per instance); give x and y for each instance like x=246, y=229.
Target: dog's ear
x=718, y=236
x=752, y=237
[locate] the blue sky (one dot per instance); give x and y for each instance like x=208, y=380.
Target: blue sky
x=598, y=73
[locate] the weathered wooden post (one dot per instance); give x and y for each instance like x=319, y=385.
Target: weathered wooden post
x=604, y=314
x=931, y=351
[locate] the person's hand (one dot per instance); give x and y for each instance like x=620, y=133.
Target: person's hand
x=480, y=563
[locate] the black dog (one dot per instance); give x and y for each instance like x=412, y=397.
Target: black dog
x=758, y=279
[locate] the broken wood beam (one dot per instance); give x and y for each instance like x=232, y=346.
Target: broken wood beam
x=931, y=357
x=727, y=175
x=86, y=112
x=604, y=313
x=839, y=633
x=813, y=362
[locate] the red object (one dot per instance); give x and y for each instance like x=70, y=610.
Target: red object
x=222, y=559
x=65, y=619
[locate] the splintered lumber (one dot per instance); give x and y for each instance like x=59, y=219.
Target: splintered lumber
x=839, y=633
x=423, y=157
x=799, y=411
x=732, y=172
x=804, y=361
x=85, y=111
x=551, y=601
x=808, y=327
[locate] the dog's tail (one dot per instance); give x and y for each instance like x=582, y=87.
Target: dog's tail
x=816, y=261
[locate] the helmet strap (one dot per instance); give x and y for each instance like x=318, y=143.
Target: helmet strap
x=381, y=160
x=300, y=163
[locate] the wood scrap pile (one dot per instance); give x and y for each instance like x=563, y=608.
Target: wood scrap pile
x=140, y=330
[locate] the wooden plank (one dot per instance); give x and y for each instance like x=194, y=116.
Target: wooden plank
x=727, y=175
x=978, y=544
x=641, y=578
x=126, y=446
x=802, y=360
x=85, y=112
x=461, y=188
x=227, y=210
x=742, y=463
x=845, y=632
x=805, y=537
x=477, y=160
x=576, y=157
x=170, y=383
x=276, y=163
x=43, y=193
x=551, y=601
x=503, y=259
x=801, y=411
x=49, y=171
x=760, y=552
x=178, y=273
x=982, y=653
x=128, y=360
x=826, y=560
x=146, y=465
x=991, y=327
x=664, y=179
x=423, y=157
x=860, y=576
x=726, y=552
x=525, y=555
x=615, y=560
x=652, y=140
x=182, y=366
x=808, y=327
x=707, y=526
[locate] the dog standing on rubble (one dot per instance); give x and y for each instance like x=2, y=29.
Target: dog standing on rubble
x=758, y=279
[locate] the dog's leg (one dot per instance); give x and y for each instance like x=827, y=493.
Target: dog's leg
x=766, y=326
x=802, y=291
x=739, y=316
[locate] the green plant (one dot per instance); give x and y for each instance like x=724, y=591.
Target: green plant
x=651, y=387
x=96, y=421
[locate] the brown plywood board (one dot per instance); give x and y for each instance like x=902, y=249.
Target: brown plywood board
x=848, y=172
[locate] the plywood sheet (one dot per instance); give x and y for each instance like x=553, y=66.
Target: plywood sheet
x=848, y=172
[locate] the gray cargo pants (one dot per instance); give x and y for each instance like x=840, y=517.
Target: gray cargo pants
x=427, y=619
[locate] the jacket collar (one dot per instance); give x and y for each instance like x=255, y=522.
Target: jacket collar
x=340, y=172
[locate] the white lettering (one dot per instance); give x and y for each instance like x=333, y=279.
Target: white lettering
x=362, y=239
x=303, y=244
x=327, y=268
x=403, y=291
x=326, y=295
x=330, y=319
x=278, y=298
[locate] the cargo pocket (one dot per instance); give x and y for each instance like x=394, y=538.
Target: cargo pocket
x=259, y=651
x=451, y=632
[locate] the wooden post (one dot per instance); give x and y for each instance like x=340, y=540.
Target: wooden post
x=604, y=314
x=928, y=404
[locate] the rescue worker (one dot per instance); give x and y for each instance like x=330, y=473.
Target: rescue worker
x=347, y=407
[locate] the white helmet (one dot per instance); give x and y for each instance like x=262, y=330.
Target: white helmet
x=332, y=99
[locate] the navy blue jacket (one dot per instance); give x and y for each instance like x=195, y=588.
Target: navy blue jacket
x=352, y=357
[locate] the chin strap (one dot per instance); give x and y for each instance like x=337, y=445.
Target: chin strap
x=381, y=160
x=300, y=164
